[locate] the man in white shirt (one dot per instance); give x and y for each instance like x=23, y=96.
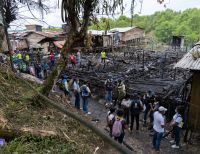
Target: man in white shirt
x=76, y=89
x=158, y=126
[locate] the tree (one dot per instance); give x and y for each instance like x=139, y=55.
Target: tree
x=79, y=13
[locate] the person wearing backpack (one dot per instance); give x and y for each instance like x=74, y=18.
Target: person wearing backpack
x=85, y=94
x=64, y=85
x=110, y=119
x=109, y=90
x=119, y=126
x=177, y=124
x=135, y=109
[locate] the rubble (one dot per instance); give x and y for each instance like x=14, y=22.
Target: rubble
x=141, y=70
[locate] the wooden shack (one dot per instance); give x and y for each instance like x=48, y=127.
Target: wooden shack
x=191, y=61
x=100, y=39
x=177, y=41
x=127, y=35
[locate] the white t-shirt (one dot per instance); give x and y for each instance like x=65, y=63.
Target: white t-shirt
x=158, y=122
x=178, y=119
x=76, y=87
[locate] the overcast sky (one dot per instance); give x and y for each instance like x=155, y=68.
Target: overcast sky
x=149, y=7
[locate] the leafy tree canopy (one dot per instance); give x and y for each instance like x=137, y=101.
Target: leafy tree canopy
x=162, y=24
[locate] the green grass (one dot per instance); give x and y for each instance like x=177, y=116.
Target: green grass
x=42, y=145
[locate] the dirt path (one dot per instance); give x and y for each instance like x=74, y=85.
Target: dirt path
x=140, y=142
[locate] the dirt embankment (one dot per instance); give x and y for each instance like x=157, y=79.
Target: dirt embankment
x=30, y=126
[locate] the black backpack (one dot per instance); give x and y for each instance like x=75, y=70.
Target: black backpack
x=136, y=106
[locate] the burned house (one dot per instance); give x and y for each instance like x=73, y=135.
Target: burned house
x=191, y=61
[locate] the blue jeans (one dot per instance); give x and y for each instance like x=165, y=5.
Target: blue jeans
x=157, y=137
x=177, y=134
x=52, y=62
x=145, y=116
x=77, y=100
x=85, y=104
x=109, y=96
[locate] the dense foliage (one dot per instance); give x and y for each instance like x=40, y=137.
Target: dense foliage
x=162, y=24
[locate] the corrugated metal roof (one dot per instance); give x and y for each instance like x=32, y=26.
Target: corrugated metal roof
x=188, y=61
x=96, y=32
x=111, y=31
x=121, y=30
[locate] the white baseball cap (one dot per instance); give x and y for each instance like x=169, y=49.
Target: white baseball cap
x=161, y=108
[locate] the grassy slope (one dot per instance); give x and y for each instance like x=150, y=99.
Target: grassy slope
x=20, y=110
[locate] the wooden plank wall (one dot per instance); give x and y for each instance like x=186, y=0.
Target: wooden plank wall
x=194, y=113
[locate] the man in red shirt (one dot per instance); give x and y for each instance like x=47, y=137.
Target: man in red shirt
x=52, y=58
x=72, y=59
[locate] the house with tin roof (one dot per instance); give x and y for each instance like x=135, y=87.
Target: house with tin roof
x=191, y=61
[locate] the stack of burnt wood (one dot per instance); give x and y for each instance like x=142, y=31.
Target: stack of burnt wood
x=140, y=70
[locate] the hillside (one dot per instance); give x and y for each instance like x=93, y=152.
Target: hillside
x=30, y=126
x=164, y=24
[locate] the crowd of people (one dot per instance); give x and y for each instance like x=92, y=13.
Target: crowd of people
x=129, y=108
x=126, y=109
x=26, y=62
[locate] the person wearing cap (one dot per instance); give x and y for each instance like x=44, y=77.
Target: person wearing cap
x=158, y=126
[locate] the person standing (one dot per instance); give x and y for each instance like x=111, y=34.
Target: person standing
x=147, y=102
x=135, y=109
x=76, y=89
x=158, y=126
x=72, y=59
x=119, y=126
x=27, y=58
x=177, y=124
x=85, y=94
x=110, y=119
x=103, y=56
x=52, y=58
x=65, y=86
x=79, y=58
x=45, y=68
x=109, y=90
x=19, y=57
x=121, y=90
x=126, y=103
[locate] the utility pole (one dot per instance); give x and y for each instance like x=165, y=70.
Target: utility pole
x=132, y=11
x=5, y=25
